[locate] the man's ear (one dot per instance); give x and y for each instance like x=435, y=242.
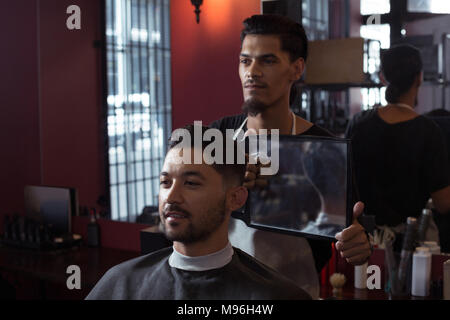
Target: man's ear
x=236, y=197
x=298, y=67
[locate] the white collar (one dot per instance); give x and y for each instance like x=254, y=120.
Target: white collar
x=214, y=260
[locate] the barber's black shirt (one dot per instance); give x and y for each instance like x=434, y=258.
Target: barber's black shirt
x=235, y=121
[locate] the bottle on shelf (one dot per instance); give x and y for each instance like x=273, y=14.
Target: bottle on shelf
x=93, y=232
x=421, y=272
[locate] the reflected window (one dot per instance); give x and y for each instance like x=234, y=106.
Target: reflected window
x=381, y=33
x=375, y=7
x=308, y=194
x=429, y=6
x=138, y=101
x=315, y=19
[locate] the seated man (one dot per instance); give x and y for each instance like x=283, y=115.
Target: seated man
x=195, y=204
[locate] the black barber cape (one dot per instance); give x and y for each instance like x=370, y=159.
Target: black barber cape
x=150, y=277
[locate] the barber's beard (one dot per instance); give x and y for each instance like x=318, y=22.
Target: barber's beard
x=198, y=228
x=253, y=107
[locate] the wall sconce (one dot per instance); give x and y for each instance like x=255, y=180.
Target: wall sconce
x=197, y=4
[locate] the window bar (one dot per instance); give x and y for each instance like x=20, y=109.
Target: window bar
x=163, y=109
x=156, y=74
x=164, y=46
x=165, y=73
x=160, y=63
x=141, y=187
x=149, y=79
x=132, y=182
x=126, y=106
x=105, y=107
x=141, y=108
x=148, y=168
x=115, y=75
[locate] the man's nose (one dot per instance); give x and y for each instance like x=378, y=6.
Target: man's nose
x=253, y=71
x=174, y=194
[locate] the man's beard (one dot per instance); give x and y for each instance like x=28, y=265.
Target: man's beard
x=253, y=107
x=203, y=227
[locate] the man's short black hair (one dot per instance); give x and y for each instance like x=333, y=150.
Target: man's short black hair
x=292, y=34
x=228, y=172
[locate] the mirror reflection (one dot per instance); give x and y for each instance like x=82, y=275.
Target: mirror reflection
x=309, y=192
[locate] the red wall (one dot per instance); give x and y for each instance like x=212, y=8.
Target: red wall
x=19, y=110
x=51, y=100
x=113, y=234
x=50, y=103
x=70, y=87
x=205, y=80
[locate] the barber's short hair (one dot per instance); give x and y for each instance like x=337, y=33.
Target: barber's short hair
x=400, y=66
x=229, y=172
x=292, y=34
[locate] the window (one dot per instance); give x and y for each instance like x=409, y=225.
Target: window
x=382, y=34
x=429, y=6
x=315, y=22
x=138, y=101
x=315, y=19
x=375, y=7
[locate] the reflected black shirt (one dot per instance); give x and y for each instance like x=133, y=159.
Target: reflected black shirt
x=398, y=165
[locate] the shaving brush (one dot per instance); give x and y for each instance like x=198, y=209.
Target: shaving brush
x=337, y=280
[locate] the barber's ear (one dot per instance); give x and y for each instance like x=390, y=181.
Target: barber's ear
x=236, y=198
x=298, y=67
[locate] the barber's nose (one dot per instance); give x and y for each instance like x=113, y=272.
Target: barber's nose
x=253, y=71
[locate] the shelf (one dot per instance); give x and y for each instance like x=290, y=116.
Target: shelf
x=339, y=86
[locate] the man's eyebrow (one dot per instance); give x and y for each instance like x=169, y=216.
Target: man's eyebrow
x=194, y=173
x=185, y=174
x=262, y=56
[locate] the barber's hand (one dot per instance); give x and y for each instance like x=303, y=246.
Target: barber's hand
x=252, y=178
x=353, y=244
